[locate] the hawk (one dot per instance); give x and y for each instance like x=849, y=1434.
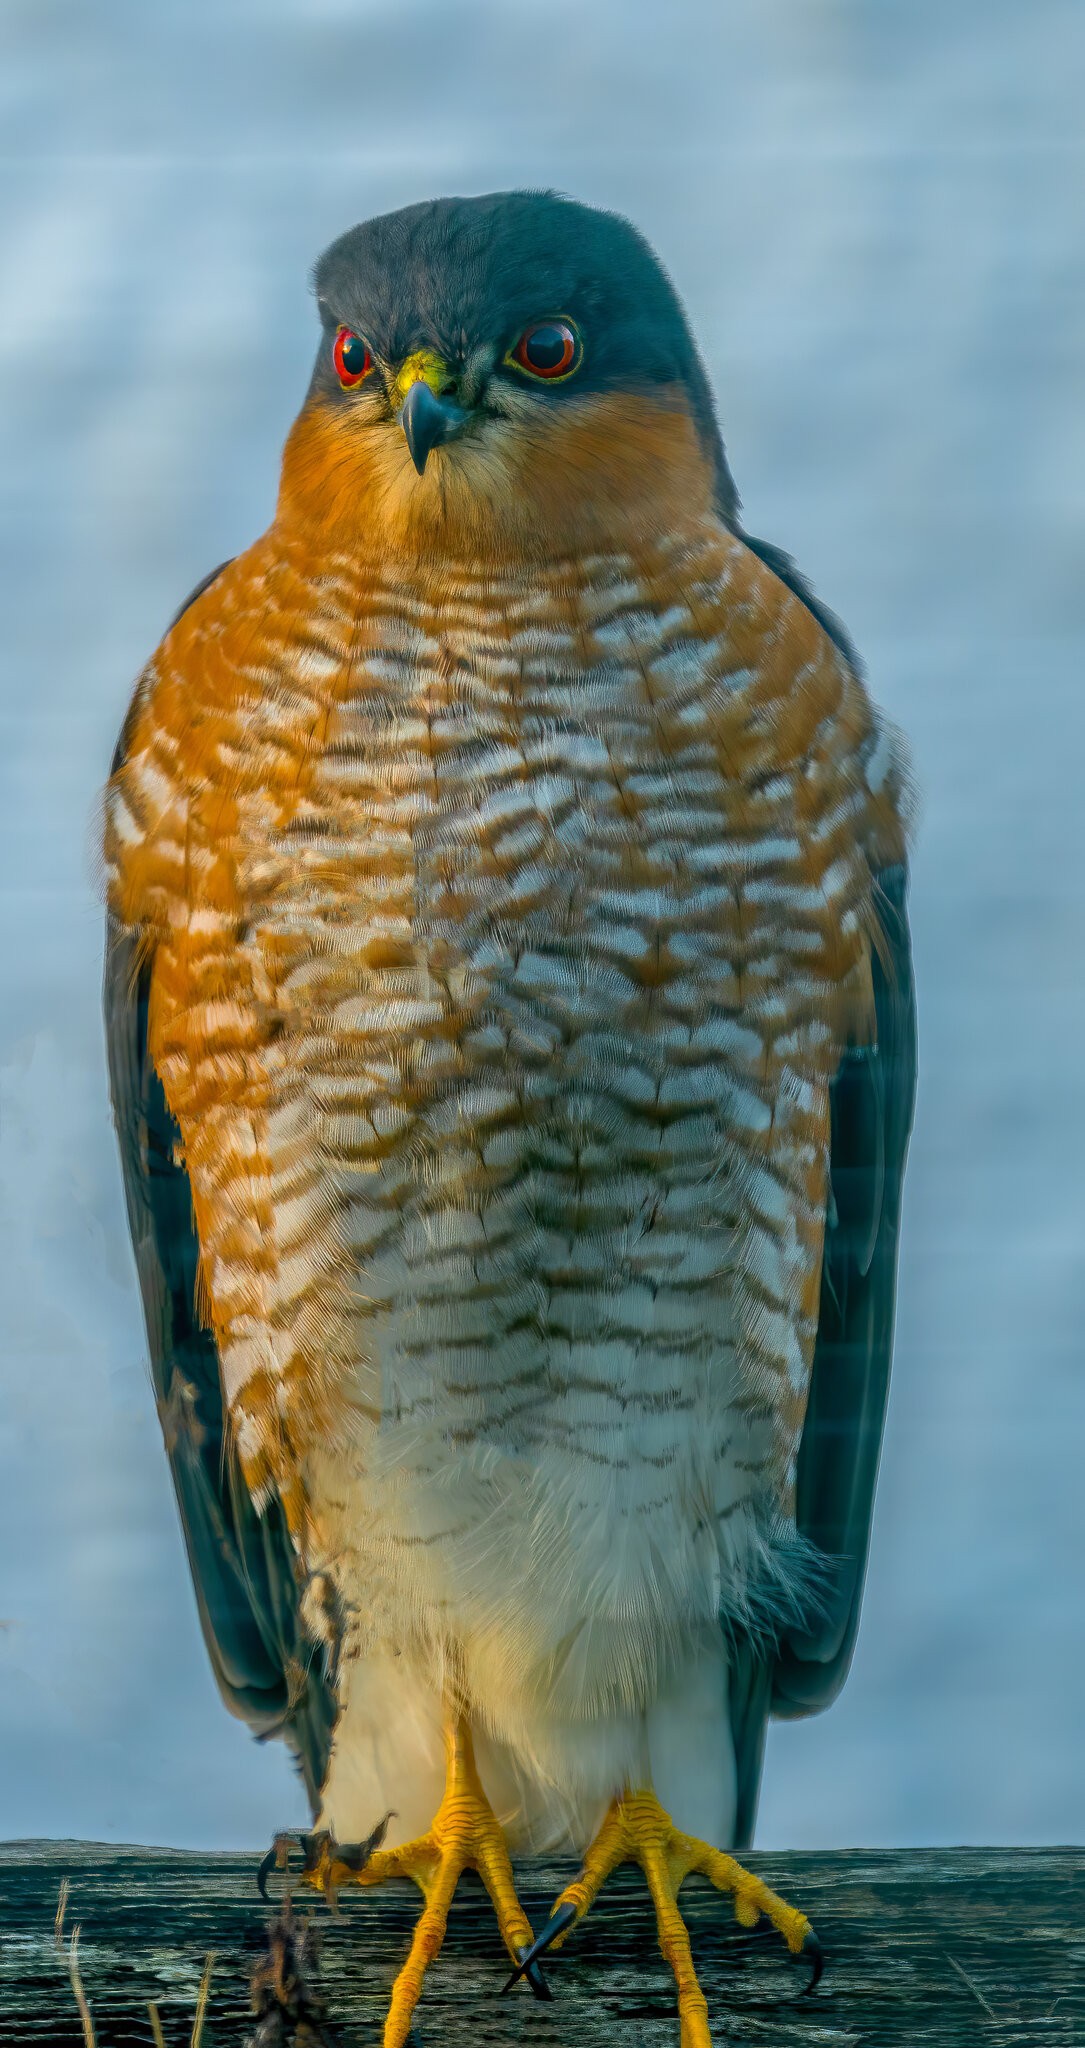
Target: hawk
x=512, y=1047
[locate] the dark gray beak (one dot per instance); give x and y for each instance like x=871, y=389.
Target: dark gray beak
x=428, y=420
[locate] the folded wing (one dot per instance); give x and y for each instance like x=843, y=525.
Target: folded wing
x=873, y=1098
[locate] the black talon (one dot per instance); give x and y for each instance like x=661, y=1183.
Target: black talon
x=556, y=1925
x=355, y=1855
x=815, y=1955
x=267, y=1865
x=534, y=1975
x=277, y=1858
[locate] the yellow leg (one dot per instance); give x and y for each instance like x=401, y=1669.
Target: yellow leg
x=637, y=1830
x=465, y=1834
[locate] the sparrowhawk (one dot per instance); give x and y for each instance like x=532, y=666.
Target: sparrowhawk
x=512, y=1045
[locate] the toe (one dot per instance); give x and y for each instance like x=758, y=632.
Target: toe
x=693, y=2023
x=429, y=1933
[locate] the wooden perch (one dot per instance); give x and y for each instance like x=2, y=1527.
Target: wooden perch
x=984, y=1947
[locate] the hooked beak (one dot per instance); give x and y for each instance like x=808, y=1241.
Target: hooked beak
x=427, y=421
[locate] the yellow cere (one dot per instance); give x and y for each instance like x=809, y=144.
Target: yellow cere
x=424, y=367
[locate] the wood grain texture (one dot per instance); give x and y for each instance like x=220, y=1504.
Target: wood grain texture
x=946, y=1947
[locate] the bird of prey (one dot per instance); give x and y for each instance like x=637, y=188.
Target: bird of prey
x=512, y=1047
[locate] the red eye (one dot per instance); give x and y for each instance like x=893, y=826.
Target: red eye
x=351, y=358
x=549, y=348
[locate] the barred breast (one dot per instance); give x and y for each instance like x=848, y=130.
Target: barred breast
x=507, y=930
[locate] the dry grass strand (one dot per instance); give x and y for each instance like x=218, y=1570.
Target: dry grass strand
x=62, y=1907
x=77, y=1988
x=201, y=1999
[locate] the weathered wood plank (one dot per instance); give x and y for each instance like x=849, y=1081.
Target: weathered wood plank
x=954, y=1947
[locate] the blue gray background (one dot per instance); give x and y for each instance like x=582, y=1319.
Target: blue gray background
x=874, y=213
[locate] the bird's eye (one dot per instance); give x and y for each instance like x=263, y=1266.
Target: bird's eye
x=351, y=357
x=548, y=348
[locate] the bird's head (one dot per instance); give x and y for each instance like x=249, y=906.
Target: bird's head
x=508, y=371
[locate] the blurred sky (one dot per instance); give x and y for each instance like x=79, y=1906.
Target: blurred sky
x=874, y=213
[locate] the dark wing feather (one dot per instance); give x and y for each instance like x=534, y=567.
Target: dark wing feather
x=782, y=566
x=872, y=1098
x=243, y=1564
x=204, y=583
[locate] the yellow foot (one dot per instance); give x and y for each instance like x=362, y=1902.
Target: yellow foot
x=465, y=1834
x=637, y=1830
